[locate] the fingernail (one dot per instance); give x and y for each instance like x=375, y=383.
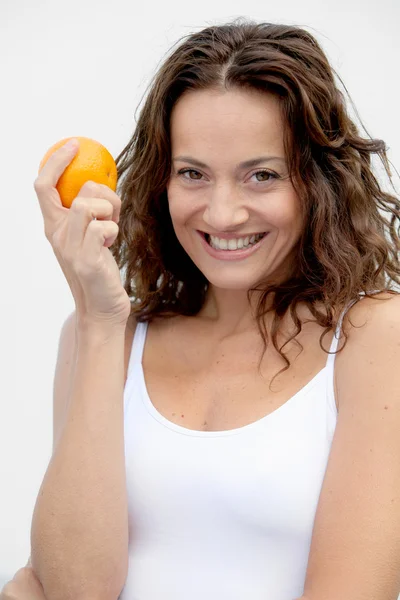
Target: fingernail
x=71, y=144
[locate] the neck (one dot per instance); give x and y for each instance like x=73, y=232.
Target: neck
x=231, y=310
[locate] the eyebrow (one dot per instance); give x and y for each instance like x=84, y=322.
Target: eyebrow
x=243, y=165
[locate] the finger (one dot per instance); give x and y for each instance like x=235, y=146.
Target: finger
x=82, y=212
x=91, y=189
x=24, y=584
x=8, y=591
x=56, y=163
x=96, y=235
x=46, y=182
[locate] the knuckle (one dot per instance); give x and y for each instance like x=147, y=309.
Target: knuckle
x=23, y=574
x=88, y=206
x=39, y=184
x=47, y=233
x=80, y=267
x=107, y=210
x=114, y=196
x=109, y=192
x=79, y=205
x=94, y=226
x=55, y=239
x=90, y=187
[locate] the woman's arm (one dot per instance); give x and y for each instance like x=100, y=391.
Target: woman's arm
x=79, y=536
x=355, y=550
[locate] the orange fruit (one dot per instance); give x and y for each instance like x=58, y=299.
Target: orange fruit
x=92, y=162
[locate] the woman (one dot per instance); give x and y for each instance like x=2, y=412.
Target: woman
x=208, y=441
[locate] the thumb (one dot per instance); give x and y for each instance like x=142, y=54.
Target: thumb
x=52, y=166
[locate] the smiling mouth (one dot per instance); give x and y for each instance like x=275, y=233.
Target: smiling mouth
x=233, y=243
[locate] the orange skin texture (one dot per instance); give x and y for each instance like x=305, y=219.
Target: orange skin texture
x=93, y=162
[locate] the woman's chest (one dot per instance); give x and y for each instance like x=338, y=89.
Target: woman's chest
x=215, y=388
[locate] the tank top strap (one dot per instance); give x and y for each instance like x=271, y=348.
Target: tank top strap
x=335, y=340
x=138, y=341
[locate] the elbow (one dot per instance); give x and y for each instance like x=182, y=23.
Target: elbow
x=65, y=578
x=97, y=596
x=84, y=593
x=73, y=587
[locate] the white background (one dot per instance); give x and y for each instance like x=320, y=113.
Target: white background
x=81, y=67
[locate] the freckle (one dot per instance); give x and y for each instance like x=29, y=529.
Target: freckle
x=386, y=407
x=173, y=414
x=182, y=416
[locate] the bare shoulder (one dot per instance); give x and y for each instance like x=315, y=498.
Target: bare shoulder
x=373, y=344
x=355, y=550
x=371, y=311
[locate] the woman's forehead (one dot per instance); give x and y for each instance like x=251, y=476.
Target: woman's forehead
x=208, y=121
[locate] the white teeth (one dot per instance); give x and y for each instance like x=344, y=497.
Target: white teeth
x=234, y=243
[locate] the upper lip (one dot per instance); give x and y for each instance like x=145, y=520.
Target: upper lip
x=232, y=236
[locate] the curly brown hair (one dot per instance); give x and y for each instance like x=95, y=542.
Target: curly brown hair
x=350, y=243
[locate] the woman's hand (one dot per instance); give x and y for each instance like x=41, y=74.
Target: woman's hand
x=23, y=586
x=80, y=237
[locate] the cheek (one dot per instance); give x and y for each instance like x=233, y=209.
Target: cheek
x=282, y=213
x=287, y=211
x=178, y=219
x=173, y=202
x=179, y=207
x=176, y=211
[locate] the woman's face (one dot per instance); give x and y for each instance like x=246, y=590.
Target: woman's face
x=233, y=207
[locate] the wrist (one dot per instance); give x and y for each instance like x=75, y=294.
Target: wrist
x=87, y=327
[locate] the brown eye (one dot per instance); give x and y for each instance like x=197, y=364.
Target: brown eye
x=265, y=176
x=191, y=172
x=198, y=175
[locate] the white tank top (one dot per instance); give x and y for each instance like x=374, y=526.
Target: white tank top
x=224, y=515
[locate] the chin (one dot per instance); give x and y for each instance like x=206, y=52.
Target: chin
x=228, y=282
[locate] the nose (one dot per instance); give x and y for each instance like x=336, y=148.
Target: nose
x=225, y=211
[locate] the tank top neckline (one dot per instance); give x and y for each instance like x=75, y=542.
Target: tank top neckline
x=136, y=372
x=151, y=409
